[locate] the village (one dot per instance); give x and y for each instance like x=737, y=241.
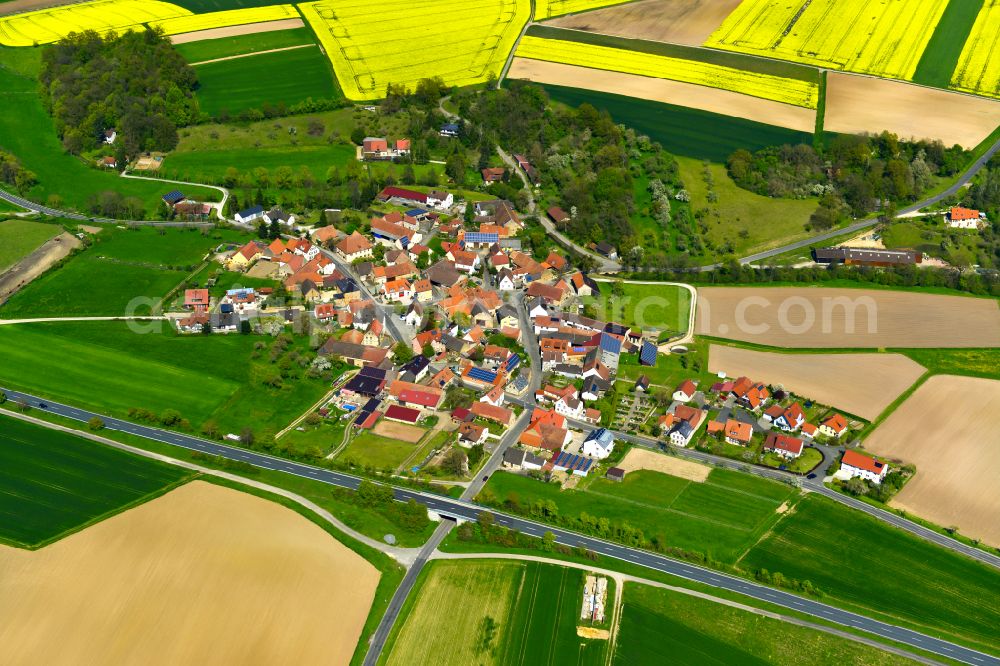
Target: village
x=454, y=330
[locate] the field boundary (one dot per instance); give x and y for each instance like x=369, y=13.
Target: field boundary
x=250, y=55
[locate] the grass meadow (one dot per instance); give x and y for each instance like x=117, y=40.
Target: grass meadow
x=106, y=367
x=287, y=77
x=723, y=517
x=371, y=450
x=210, y=49
x=697, y=632
x=649, y=306
x=494, y=612
x=119, y=266
x=53, y=483
x=19, y=238
x=27, y=131
x=863, y=563
x=682, y=131
x=211, y=165
x=740, y=218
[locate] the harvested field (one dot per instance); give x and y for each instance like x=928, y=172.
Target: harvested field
x=637, y=459
x=858, y=104
x=204, y=574
x=956, y=452
x=830, y=379
x=237, y=30
x=688, y=22
x=393, y=430
x=803, y=317
x=714, y=100
x=36, y=263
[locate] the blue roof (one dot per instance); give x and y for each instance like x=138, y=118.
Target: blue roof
x=414, y=212
x=647, y=354
x=481, y=237
x=609, y=343
x=239, y=292
x=226, y=308
x=513, y=361
x=483, y=375
x=573, y=462
x=250, y=212
x=417, y=364
x=173, y=196
x=602, y=436
x=450, y=126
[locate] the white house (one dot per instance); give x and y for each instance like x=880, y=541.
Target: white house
x=681, y=433
x=964, y=218
x=855, y=464
x=250, y=214
x=279, y=216
x=685, y=392
x=440, y=200
x=505, y=281
x=570, y=406
x=599, y=444
x=785, y=446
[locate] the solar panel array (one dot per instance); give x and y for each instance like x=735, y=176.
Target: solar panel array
x=482, y=375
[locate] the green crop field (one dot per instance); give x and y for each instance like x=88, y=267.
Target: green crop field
x=106, y=367
x=210, y=49
x=722, y=517
x=206, y=6
x=120, y=266
x=368, y=449
x=858, y=560
x=19, y=238
x=494, y=612
x=744, y=220
x=682, y=131
x=28, y=132
x=53, y=483
x=287, y=77
x=694, y=631
x=940, y=57
x=648, y=306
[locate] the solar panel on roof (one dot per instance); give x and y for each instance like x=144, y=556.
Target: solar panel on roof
x=481, y=237
x=482, y=375
x=647, y=355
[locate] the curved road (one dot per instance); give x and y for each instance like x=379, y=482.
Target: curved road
x=53, y=212
x=463, y=510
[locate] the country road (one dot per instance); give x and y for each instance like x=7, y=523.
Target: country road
x=463, y=510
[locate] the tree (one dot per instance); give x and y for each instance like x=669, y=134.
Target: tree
x=246, y=437
x=3, y=397
x=211, y=430
x=456, y=463
x=372, y=494
x=170, y=417
x=402, y=352
x=548, y=541
x=428, y=350
x=262, y=230
x=95, y=423
x=455, y=168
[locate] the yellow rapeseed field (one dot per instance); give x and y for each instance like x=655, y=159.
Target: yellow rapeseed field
x=881, y=37
x=177, y=26
x=545, y=9
x=978, y=69
x=402, y=41
x=765, y=86
x=51, y=25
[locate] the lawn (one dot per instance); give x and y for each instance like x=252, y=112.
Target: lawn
x=210, y=165
x=106, y=367
x=371, y=450
x=865, y=564
x=120, y=266
x=28, y=132
x=210, y=49
x=53, y=483
x=695, y=631
x=648, y=306
x=940, y=57
x=237, y=85
x=670, y=369
x=956, y=246
x=494, y=612
x=722, y=517
x=810, y=458
x=740, y=221
x=682, y=131
x=19, y=238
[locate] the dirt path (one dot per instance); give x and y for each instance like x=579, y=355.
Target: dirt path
x=255, y=53
x=237, y=30
x=36, y=263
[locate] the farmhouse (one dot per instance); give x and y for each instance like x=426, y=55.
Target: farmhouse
x=377, y=148
x=354, y=247
x=685, y=392
x=250, y=214
x=964, y=218
x=835, y=426
x=493, y=174
x=738, y=433
x=855, y=464
x=867, y=257
x=276, y=215
x=599, y=444
x=784, y=445
x=196, y=300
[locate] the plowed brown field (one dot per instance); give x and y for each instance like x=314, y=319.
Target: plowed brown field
x=948, y=429
x=688, y=22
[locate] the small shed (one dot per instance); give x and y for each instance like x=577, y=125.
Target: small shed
x=615, y=474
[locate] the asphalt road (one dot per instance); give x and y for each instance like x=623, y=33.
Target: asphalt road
x=463, y=510
x=30, y=205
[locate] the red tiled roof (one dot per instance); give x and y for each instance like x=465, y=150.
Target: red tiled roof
x=861, y=461
x=957, y=214
x=400, y=413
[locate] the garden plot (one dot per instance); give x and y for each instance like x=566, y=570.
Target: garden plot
x=955, y=449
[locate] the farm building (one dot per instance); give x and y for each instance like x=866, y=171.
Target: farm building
x=493, y=174
x=854, y=256
x=402, y=414
x=250, y=214
x=855, y=464
x=964, y=218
